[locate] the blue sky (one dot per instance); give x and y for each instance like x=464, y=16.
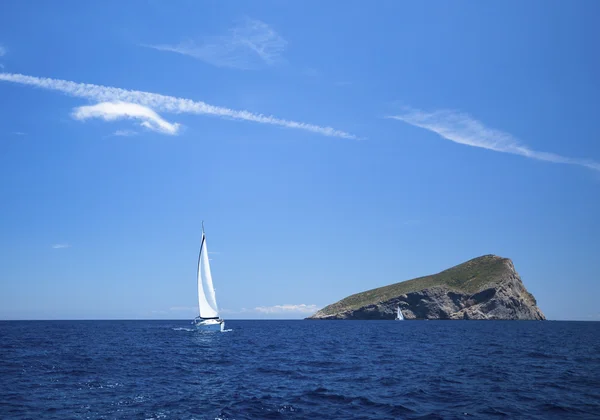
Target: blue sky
x=329, y=150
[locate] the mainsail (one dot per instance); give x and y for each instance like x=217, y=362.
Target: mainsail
x=399, y=316
x=207, y=302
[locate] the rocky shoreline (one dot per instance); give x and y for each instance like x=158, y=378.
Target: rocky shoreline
x=503, y=297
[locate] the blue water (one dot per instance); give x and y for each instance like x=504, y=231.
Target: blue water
x=300, y=370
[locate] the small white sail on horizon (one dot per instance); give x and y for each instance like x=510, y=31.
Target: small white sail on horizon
x=399, y=316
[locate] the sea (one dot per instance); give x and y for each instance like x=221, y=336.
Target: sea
x=300, y=370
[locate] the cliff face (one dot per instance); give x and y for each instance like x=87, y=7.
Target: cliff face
x=487, y=287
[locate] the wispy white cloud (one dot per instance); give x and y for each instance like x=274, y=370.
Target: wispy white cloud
x=163, y=103
x=60, y=246
x=111, y=111
x=302, y=308
x=277, y=311
x=247, y=46
x=183, y=309
x=19, y=133
x=125, y=133
x=311, y=72
x=179, y=312
x=462, y=128
x=232, y=311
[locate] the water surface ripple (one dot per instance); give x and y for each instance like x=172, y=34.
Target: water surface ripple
x=300, y=370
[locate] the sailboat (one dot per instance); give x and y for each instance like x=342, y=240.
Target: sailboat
x=399, y=316
x=208, y=318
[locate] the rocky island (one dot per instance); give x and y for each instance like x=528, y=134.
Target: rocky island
x=486, y=287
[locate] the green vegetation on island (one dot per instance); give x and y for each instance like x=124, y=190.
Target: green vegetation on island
x=465, y=279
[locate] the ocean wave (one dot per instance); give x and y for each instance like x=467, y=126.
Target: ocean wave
x=299, y=370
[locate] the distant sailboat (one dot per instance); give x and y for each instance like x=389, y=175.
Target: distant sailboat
x=208, y=318
x=399, y=316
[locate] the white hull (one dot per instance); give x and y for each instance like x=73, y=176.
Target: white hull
x=209, y=324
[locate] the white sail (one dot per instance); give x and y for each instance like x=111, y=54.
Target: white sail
x=207, y=302
x=399, y=316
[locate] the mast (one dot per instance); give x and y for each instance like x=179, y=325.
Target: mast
x=198, y=278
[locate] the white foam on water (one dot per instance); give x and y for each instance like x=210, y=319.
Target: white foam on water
x=183, y=329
